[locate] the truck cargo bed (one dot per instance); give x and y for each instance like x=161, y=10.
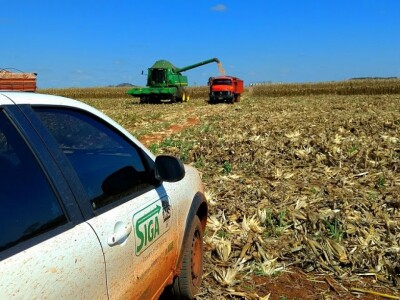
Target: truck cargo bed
x=17, y=81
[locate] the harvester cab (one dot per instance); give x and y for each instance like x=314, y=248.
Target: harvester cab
x=165, y=82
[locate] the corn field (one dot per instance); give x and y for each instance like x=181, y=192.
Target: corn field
x=298, y=176
x=349, y=87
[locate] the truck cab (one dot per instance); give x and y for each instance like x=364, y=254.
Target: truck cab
x=225, y=89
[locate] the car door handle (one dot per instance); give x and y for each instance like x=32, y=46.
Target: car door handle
x=120, y=236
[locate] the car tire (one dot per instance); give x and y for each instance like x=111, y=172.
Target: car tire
x=187, y=284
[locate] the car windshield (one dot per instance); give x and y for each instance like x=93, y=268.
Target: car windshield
x=222, y=82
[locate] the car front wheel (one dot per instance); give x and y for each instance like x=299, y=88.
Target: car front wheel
x=187, y=284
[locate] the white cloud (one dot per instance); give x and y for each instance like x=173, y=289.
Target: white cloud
x=118, y=62
x=219, y=7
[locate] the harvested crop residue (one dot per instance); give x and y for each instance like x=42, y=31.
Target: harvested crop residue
x=299, y=183
x=304, y=191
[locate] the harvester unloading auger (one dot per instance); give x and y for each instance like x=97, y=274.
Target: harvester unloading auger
x=165, y=82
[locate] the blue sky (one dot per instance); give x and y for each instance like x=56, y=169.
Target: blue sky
x=87, y=43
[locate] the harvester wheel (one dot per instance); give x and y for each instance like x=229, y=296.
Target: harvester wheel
x=183, y=97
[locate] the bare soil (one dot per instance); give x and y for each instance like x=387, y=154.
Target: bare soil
x=294, y=283
x=156, y=137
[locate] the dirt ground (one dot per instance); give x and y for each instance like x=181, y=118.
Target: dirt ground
x=323, y=169
x=172, y=129
x=294, y=283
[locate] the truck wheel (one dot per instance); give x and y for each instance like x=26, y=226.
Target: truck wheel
x=237, y=98
x=187, y=284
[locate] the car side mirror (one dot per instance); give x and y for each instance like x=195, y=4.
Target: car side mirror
x=169, y=168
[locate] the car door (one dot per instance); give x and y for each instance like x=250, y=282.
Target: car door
x=131, y=212
x=46, y=250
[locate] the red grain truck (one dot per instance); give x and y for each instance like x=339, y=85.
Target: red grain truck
x=13, y=81
x=225, y=89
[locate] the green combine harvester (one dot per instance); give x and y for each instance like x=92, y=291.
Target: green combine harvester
x=166, y=83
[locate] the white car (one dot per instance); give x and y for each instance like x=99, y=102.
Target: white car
x=88, y=212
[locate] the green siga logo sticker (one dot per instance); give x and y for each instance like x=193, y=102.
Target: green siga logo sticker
x=150, y=223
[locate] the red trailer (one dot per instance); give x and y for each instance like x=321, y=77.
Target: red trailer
x=12, y=81
x=225, y=89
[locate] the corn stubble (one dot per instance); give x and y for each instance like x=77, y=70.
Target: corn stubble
x=313, y=182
